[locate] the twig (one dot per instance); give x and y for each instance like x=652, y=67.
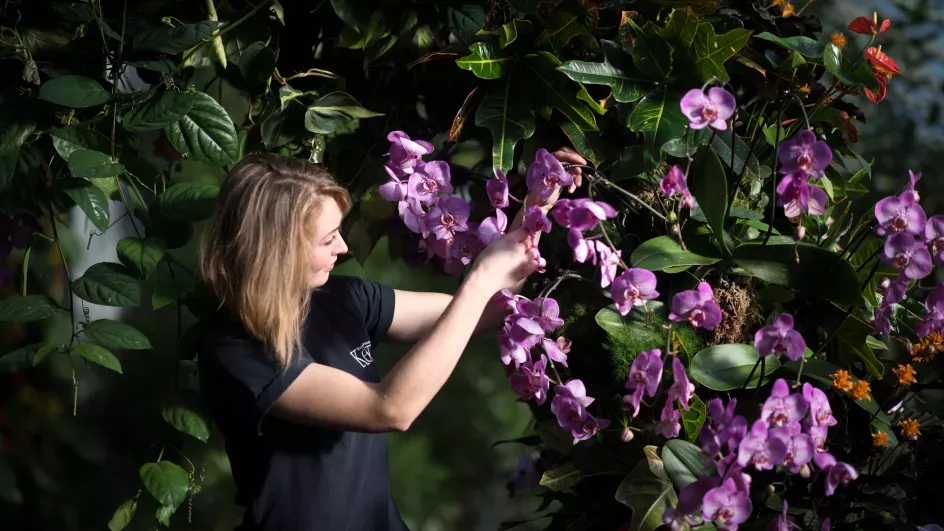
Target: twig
x=773, y=175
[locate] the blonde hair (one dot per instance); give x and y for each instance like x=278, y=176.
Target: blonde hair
x=254, y=252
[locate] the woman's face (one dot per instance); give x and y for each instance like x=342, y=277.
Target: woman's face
x=327, y=244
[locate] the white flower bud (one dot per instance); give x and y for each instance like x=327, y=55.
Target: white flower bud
x=626, y=435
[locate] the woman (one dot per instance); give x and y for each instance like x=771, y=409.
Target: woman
x=285, y=363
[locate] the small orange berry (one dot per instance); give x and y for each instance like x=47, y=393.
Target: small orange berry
x=880, y=439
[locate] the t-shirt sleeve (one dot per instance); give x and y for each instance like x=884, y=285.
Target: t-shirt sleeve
x=375, y=302
x=242, y=381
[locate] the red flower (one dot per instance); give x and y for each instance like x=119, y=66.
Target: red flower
x=848, y=128
x=882, y=84
x=881, y=63
x=866, y=26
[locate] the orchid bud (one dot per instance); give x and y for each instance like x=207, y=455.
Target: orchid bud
x=805, y=471
x=626, y=435
x=672, y=218
x=799, y=232
x=674, y=229
x=883, y=285
x=771, y=489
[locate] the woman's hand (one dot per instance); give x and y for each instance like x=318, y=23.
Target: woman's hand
x=505, y=262
x=564, y=154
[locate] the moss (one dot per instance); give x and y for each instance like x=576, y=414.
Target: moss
x=628, y=341
x=739, y=312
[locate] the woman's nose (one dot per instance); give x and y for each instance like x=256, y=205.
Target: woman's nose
x=342, y=246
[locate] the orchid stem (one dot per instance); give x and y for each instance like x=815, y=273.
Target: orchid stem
x=751, y=375
x=773, y=175
x=634, y=198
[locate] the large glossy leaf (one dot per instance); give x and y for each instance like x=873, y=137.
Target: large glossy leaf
x=11, y=139
x=108, y=284
x=711, y=50
x=562, y=477
x=141, y=255
x=89, y=198
x=559, y=27
x=256, y=64
x=616, y=71
x=510, y=119
x=485, y=60
x=91, y=164
x=558, y=90
x=663, y=252
x=189, y=201
x=187, y=417
x=123, y=515
x=710, y=188
x=179, y=39
x=206, y=133
x=682, y=461
x=115, y=334
x=680, y=28
x=721, y=143
x=726, y=367
x=590, y=144
x=166, y=481
x=72, y=138
x=98, y=355
x=803, y=45
x=647, y=495
x=832, y=59
x=28, y=308
x=334, y=111
x=660, y=119
x=74, y=91
x=819, y=272
x=652, y=55
x=158, y=113
x=694, y=418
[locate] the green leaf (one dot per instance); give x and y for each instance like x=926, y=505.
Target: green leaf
x=189, y=201
x=164, y=513
x=466, y=18
x=647, y=495
x=590, y=144
x=206, y=133
x=26, y=309
x=508, y=32
x=725, y=367
x=711, y=50
x=721, y=143
x=141, y=255
x=334, y=111
x=89, y=198
x=69, y=139
x=166, y=481
x=659, y=118
x=562, y=477
x=616, y=71
x=90, y=164
x=664, y=252
x=256, y=64
x=558, y=90
x=99, y=355
x=875, y=344
x=694, y=418
x=123, y=515
x=820, y=272
x=187, y=419
x=710, y=189
x=485, y=61
x=863, y=76
x=158, y=113
x=508, y=118
x=11, y=140
x=832, y=59
x=168, y=291
x=162, y=38
x=559, y=27
x=652, y=56
x=73, y=91
x=115, y=334
x=682, y=462
x=20, y=359
x=108, y=284
x=803, y=45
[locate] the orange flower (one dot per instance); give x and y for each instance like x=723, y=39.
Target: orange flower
x=778, y=3
x=788, y=10
x=928, y=347
x=839, y=39
x=841, y=380
x=805, y=89
x=880, y=439
x=909, y=428
x=860, y=390
x=905, y=374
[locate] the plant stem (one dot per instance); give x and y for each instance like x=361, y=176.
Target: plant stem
x=65, y=265
x=773, y=175
x=751, y=375
x=633, y=197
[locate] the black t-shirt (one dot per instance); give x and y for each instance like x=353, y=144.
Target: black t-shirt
x=293, y=477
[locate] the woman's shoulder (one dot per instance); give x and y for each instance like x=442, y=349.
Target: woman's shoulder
x=220, y=334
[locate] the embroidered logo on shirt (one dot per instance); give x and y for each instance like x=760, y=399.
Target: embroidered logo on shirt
x=362, y=354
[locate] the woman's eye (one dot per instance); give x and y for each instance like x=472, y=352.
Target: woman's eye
x=330, y=240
